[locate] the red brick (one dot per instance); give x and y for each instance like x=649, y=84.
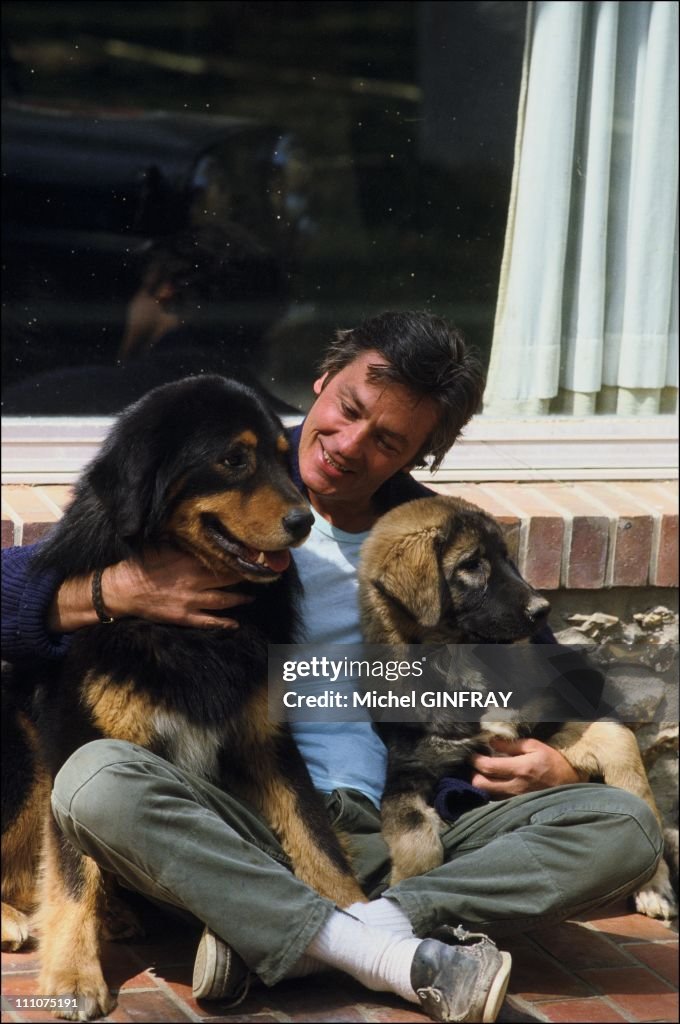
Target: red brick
x=26, y=1016
x=589, y=540
x=21, y=984
x=632, y=538
x=348, y=1014
x=588, y=553
x=33, y=532
x=57, y=494
x=627, y=927
x=570, y=1010
x=246, y=1018
x=148, y=1006
x=253, y=1004
x=478, y=495
x=637, y=991
x=397, y=1015
x=518, y=1011
x=632, y=552
x=659, y=495
x=536, y=977
x=665, y=572
x=662, y=957
x=662, y=498
x=542, y=564
x=331, y=996
x=542, y=532
x=22, y=962
x=577, y=947
x=7, y=532
x=27, y=507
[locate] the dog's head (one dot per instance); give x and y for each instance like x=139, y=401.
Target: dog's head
x=437, y=570
x=203, y=463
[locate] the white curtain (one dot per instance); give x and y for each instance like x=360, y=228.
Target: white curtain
x=587, y=317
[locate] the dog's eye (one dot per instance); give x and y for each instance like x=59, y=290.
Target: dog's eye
x=236, y=460
x=469, y=564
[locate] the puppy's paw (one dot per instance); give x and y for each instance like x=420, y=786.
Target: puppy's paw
x=656, y=898
x=418, y=849
x=16, y=929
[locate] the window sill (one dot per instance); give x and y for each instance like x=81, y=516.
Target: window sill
x=55, y=449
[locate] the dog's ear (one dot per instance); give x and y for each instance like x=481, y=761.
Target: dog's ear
x=412, y=579
x=128, y=481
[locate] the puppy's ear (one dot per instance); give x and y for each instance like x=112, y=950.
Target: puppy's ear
x=412, y=578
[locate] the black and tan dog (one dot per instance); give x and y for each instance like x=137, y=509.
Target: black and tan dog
x=200, y=464
x=436, y=571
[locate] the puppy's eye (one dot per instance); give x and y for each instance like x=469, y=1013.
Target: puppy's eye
x=236, y=460
x=470, y=564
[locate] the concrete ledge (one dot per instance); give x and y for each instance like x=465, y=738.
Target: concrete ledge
x=580, y=536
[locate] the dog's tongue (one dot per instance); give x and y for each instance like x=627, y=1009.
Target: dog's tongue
x=278, y=561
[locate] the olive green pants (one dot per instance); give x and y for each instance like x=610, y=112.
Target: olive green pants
x=515, y=864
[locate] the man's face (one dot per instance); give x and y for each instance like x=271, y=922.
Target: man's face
x=358, y=434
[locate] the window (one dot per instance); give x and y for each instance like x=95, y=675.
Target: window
x=367, y=146
x=359, y=157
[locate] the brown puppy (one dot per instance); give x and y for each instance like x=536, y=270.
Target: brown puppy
x=437, y=571
x=200, y=464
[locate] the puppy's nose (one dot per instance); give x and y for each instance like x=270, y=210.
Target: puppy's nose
x=537, y=609
x=298, y=523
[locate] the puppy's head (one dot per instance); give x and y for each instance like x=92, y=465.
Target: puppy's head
x=437, y=570
x=203, y=463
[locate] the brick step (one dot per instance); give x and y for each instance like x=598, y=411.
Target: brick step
x=610, y=965
x=584, y=535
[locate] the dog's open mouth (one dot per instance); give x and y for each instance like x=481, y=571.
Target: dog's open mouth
x=265, y=564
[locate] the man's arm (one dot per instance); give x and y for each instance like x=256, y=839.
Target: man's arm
x=167, y=586
x=26, y=598
x=41, y=610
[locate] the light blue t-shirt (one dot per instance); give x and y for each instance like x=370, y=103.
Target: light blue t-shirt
x=342, y=755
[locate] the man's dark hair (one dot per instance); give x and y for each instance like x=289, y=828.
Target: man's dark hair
x=426, y=355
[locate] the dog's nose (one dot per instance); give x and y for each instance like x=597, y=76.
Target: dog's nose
x=298, y=523
x=537, y=609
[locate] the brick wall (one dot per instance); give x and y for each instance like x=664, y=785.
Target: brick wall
x=577, y=536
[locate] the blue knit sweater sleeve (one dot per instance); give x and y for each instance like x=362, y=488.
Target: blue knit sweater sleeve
x=26, y=598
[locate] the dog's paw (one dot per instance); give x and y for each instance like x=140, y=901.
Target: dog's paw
x=503, y=723
x=85, y=990
x=656, y=898
x=119, y=921
x=16, y=929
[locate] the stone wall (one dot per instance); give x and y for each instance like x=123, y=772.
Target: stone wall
x=638, y=651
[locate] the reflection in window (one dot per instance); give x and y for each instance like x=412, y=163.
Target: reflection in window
x=368, y=150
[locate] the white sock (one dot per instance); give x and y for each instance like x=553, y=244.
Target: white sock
x=385, y=914
x=305, y=966
x=381, y=913
x=378, y=959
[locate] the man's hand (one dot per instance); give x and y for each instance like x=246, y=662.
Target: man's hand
x=167, y=586
x=529, y=765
